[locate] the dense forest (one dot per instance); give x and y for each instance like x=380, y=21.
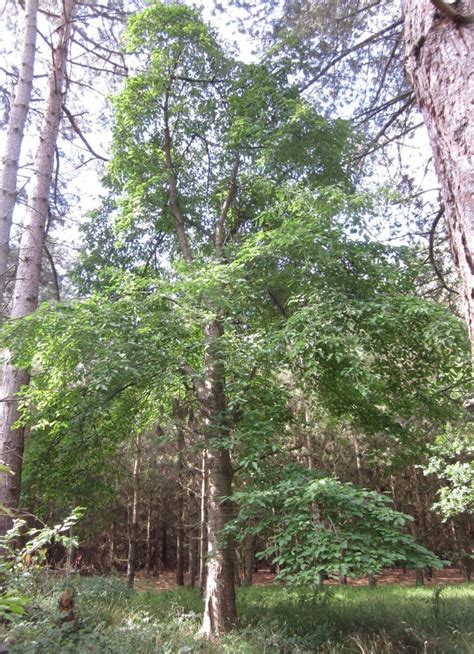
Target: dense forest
x=237, y=326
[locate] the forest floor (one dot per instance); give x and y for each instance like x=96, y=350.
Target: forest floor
x=273, y=619
x=166, y=580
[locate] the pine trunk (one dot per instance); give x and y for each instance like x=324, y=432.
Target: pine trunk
x=26, y=289
x=14, y=139
x=133, y=531
x=180, y=509
x=440, y=65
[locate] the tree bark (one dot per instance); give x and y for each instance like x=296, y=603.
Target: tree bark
x=164, y=546
x=249, y=558
x=193, y=540
x=180, y=444
x=26, y=288
x=203, y=524
x=148, y=539
x=14, y=139
x=219, y=605
x=440, y=66
x=133, y=533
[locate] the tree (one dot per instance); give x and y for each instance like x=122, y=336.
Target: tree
x=439, y=55
x=14, y=139
x=203, y=127
x=26, y=287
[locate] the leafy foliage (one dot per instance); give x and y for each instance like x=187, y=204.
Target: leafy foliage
x=320, y=525
x=452, y=461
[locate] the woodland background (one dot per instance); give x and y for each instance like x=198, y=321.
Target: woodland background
x=234, y=332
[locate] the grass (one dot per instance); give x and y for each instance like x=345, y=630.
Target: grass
x=273, y=619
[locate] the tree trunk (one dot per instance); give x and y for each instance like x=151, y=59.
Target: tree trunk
x=14, y=139
x=26, y=289
x=440, y=65
x=133, y=533
x=148, y=540
x=219, y=606
x=203, y=524
x=249, y=558
x=164, y=546
x=180, y=509
x=70, y=554
x=193, y=518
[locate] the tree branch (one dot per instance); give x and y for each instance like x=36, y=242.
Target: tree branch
x=220, y=225
x=348, y=51
x=432, y=259
x=76, y=128
x=452, y=14
x=54, y=272
x=173, y=186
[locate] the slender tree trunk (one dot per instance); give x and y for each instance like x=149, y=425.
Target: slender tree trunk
x=70, y=554
x=440, y=65
x=164, y=546
x=14, y=139
x=26, y=289
x=133, y=533
x=193, y=518
x=219, y=605
x=309, y=442
x=180, y=500
x=362, y=481
x=148, y=539
x=249, y=559
x=203, y=524
x=193, y=556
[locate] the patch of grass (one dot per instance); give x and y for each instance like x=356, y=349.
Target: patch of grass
x=273, y=619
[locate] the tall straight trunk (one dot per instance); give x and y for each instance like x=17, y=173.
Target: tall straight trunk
x=203, y=523
x=14, y=139
x=164, y=546
x=219, y=604
x=26, y=288
x=193, y=554
x=193, y=523
x=248, y=558
x=148, y=539
x=440, y=65
x=362, y=481
x=180, y=509
x=133, y=531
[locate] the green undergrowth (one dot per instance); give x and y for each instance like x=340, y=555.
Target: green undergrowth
x=273, y=619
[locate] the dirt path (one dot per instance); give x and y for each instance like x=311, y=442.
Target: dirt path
x=166, y=579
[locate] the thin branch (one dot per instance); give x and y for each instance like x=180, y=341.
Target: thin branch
x=173, y=186
x=379, y=146
x=432, y=259
x=232, y=190
x=348, y=51
x=277, y=303
x=54, y=272
x=76, y=128
x=272, y=453
x=452, y=14
x=391, y=58
x=374, y=110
